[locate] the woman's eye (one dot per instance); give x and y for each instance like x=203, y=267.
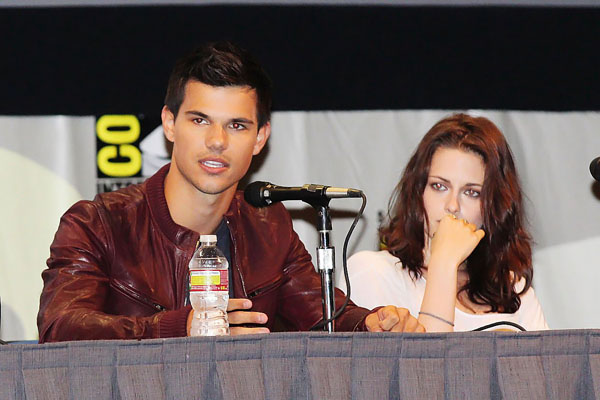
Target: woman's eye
x=438, y=186
x=472, y=193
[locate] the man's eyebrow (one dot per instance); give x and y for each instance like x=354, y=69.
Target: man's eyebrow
x=197, y=114
x=243, y=121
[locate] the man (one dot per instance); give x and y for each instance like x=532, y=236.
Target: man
x=118, y=265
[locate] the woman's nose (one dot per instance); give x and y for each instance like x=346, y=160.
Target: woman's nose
x=452, y=205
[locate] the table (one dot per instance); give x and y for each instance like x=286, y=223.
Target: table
x=311, y=365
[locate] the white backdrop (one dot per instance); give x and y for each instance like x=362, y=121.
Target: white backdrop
x=47, y=163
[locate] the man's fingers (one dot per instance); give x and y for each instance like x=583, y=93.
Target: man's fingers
x=388, y=317
x=188, y=325
x=372, y=323
x=393, y=319
x=239, y=304
x=240, y=330
x=247, y=317
x=237, y=316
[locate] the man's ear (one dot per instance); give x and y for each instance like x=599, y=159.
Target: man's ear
x=168, y=123
x=261, y=138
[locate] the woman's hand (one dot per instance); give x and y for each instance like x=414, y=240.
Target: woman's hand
x=451, y=244
x=454, y=240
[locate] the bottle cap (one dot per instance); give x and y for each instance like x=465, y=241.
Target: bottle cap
x=208, y=238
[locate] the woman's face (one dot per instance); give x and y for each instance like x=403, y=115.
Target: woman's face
x=454, y=187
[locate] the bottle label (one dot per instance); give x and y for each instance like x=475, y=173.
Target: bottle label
x=203, y=280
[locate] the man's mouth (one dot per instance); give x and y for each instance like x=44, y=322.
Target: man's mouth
x=213, y=164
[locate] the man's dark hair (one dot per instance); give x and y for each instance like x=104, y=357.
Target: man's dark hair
x=220, y=64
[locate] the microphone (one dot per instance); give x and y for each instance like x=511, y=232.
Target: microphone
x=595, y=168
x=262, y=194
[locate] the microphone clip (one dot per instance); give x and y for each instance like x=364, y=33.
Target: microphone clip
x=320, y=200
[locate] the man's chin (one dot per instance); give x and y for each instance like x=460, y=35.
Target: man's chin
x=216, y=189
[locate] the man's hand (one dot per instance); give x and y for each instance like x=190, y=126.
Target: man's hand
x=392, y=319
x=237, y=316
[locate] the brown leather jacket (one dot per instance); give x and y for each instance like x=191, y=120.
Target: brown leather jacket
x=118, y=269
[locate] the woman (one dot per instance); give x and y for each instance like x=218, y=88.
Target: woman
x=457, y=253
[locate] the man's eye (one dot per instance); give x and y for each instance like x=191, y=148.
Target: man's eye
x=472, y=193
x=438, y=186
x=237, y=126
x=200, y=121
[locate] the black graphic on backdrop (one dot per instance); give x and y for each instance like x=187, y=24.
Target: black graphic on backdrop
x=129, y=148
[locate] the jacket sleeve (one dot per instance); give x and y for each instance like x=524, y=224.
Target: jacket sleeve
x=76, y=286
x=302, y=286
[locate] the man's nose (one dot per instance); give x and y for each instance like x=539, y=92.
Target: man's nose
x=216, y=139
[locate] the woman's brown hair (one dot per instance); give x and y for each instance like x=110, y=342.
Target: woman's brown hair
x=503, y=256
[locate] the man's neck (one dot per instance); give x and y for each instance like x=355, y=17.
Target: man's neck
x=190, y=208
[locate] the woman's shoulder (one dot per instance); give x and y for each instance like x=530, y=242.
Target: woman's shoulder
x=520, y=285
x=374, y=259
x=376, y=264
x=530, y=311
x=377, y=278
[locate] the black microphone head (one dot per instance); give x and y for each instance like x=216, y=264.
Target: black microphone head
x=595, y=168
x=253, y=194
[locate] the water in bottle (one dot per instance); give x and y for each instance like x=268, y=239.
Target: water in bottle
x=209, y=289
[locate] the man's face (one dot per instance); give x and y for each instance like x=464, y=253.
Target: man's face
x=215, y=136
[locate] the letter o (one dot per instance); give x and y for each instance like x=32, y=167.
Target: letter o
x=118, y=136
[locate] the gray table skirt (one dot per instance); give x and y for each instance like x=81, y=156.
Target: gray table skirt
x=315, y=365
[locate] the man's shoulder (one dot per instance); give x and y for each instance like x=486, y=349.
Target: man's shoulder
x=110, y=202
x=137, y=195
x=123, y=198
x=271, y=214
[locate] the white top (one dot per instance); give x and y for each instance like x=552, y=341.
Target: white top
x=377, y=278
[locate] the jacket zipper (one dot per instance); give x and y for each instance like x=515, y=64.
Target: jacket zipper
x=234, y=259
x=264, y=289
x=130, y=292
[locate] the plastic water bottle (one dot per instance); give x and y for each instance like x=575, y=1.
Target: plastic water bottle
x=209, y=289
